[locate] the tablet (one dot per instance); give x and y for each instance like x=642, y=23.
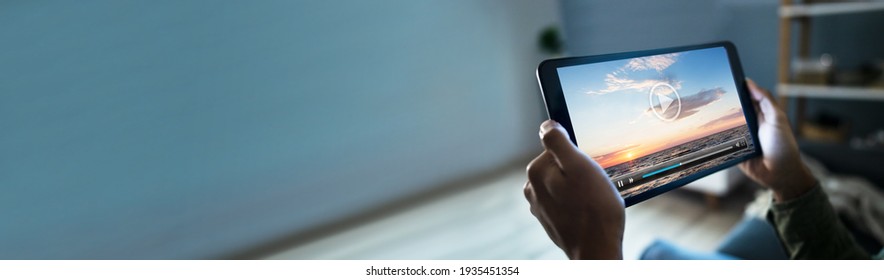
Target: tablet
x=654, y=120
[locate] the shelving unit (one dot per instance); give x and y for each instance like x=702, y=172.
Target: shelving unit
x=823, y=9
x=792, y=12
x=835, y=92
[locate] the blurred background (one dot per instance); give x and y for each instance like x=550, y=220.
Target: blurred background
x=386, y=129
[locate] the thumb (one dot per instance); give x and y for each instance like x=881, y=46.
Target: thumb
x=767, y=108
x=555, y=139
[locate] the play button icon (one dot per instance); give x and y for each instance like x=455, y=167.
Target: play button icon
x=665, y=95
x=665, y=101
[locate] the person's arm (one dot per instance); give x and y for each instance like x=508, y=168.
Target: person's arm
x=809, y=228
x=805, y=221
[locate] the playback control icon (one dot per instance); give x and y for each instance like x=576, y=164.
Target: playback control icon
x=665, y=102
x=620, y=183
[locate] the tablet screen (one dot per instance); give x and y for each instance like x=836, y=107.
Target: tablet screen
x=655, y=119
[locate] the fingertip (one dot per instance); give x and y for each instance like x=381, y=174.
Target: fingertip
x=754, y=90
x=548, y=125
x=553, y=135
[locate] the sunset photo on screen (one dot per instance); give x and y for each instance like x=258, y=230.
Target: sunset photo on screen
x=652, y=120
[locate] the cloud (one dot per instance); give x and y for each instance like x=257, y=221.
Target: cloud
x=733, y=115
x=620, y=80
x=655, y=62
x=614, y=83
x=693, y=103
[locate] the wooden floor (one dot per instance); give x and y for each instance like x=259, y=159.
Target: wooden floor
x=492, y=221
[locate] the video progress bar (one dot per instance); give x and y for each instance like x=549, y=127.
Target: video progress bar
x=685, y=163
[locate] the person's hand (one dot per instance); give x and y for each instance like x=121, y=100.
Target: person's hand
x=780, y=168
x=572, y=197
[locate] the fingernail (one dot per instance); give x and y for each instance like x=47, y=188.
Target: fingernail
x=547, y=126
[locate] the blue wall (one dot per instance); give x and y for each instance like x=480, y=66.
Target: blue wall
x=596, y=27
x=196, y=129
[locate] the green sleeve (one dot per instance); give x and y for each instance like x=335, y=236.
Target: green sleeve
x=809, y=228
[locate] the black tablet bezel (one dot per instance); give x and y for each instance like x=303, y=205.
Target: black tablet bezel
x=557, y=109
